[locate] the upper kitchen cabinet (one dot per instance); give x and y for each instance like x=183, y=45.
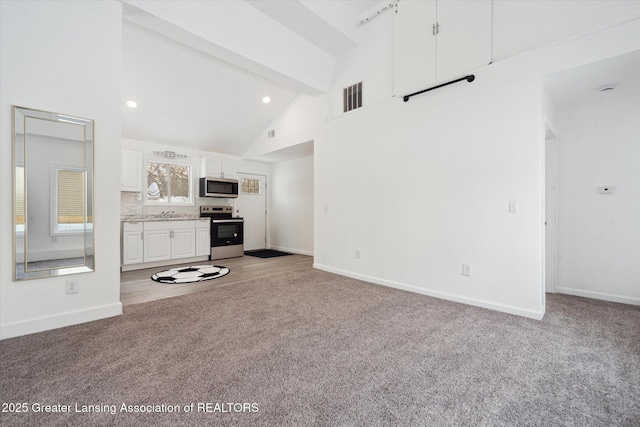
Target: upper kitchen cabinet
x=436, y=41
x=218, y=168
x=229, y=169
x=130, y=171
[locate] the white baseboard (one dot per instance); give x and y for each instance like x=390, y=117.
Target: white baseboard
x=293, y=251
x=32, y=326
x=599, y=295
x=442, y=295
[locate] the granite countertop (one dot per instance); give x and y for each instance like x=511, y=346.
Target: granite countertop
x=169, y=217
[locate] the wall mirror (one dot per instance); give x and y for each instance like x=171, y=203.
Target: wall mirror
x=53, y=194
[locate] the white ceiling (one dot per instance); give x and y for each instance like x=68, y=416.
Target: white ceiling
x=190, y=99
x=581, y=85
x=192, y=93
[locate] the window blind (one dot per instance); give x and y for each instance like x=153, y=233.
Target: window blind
x=19, y=195
x=70, y=197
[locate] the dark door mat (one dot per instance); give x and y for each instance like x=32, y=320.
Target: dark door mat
x=266, y=253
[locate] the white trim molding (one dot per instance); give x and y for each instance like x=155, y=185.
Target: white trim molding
x=537, y=315
x=599, y=295
x=31, y=326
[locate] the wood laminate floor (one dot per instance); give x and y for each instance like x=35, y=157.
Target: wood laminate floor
x=137, y=287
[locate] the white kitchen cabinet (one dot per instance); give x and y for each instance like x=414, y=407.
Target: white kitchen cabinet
x=183, y=243
x=211, y=167
x=203, y=237
x=218, y=168
x=132, y=243
x=131, y=171
x=164, y=240
x=437, y=41
x=157, y=245
x=229, y=169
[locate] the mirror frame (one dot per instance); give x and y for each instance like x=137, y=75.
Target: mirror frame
x=19, y=118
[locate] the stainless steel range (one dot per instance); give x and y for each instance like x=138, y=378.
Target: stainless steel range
x=227, y=232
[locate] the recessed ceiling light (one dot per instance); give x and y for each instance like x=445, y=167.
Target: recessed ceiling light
x=266, y=100
x=132, y=104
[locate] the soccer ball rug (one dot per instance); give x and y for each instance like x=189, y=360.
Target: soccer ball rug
x=193, y=273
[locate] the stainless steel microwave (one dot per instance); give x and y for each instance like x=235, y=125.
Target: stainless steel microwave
x=218, y=187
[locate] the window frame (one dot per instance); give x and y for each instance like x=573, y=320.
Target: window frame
x=18, y=189
x=252, y=181
x=189, y=202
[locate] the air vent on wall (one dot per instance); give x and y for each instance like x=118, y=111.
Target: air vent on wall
x=352, y=97
x=271, y=133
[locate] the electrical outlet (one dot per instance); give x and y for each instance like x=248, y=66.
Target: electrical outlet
x=466, y=270
x=139, y=209
x=326, y=208
x=73, y=287
x=513, y=207
x=357, y=254
x=139, y=196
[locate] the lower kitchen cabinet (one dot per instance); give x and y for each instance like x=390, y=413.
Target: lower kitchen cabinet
x=203, y=237
x=132, y=243
x=153, y=243
x=157, y=245
x=183, y=243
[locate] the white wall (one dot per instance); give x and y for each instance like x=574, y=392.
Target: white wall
x=292, y=206
x=522, y=25
x=370, y=63
x=599, y=235
x=63, y=57
x=297, y=124
x=420, y=188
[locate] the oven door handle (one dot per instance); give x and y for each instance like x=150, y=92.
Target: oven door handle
x=218, y=221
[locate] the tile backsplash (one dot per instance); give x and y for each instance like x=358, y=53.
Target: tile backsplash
x=130, y=205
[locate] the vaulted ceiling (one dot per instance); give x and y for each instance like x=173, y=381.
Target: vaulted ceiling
x=200, y=69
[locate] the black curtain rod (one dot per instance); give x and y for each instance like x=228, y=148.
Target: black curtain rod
x=468, y=78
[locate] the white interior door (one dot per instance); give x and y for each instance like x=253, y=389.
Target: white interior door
x=551, y=178
x=251, y=204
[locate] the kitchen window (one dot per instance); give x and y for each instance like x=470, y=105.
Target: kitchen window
x=169, y=184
